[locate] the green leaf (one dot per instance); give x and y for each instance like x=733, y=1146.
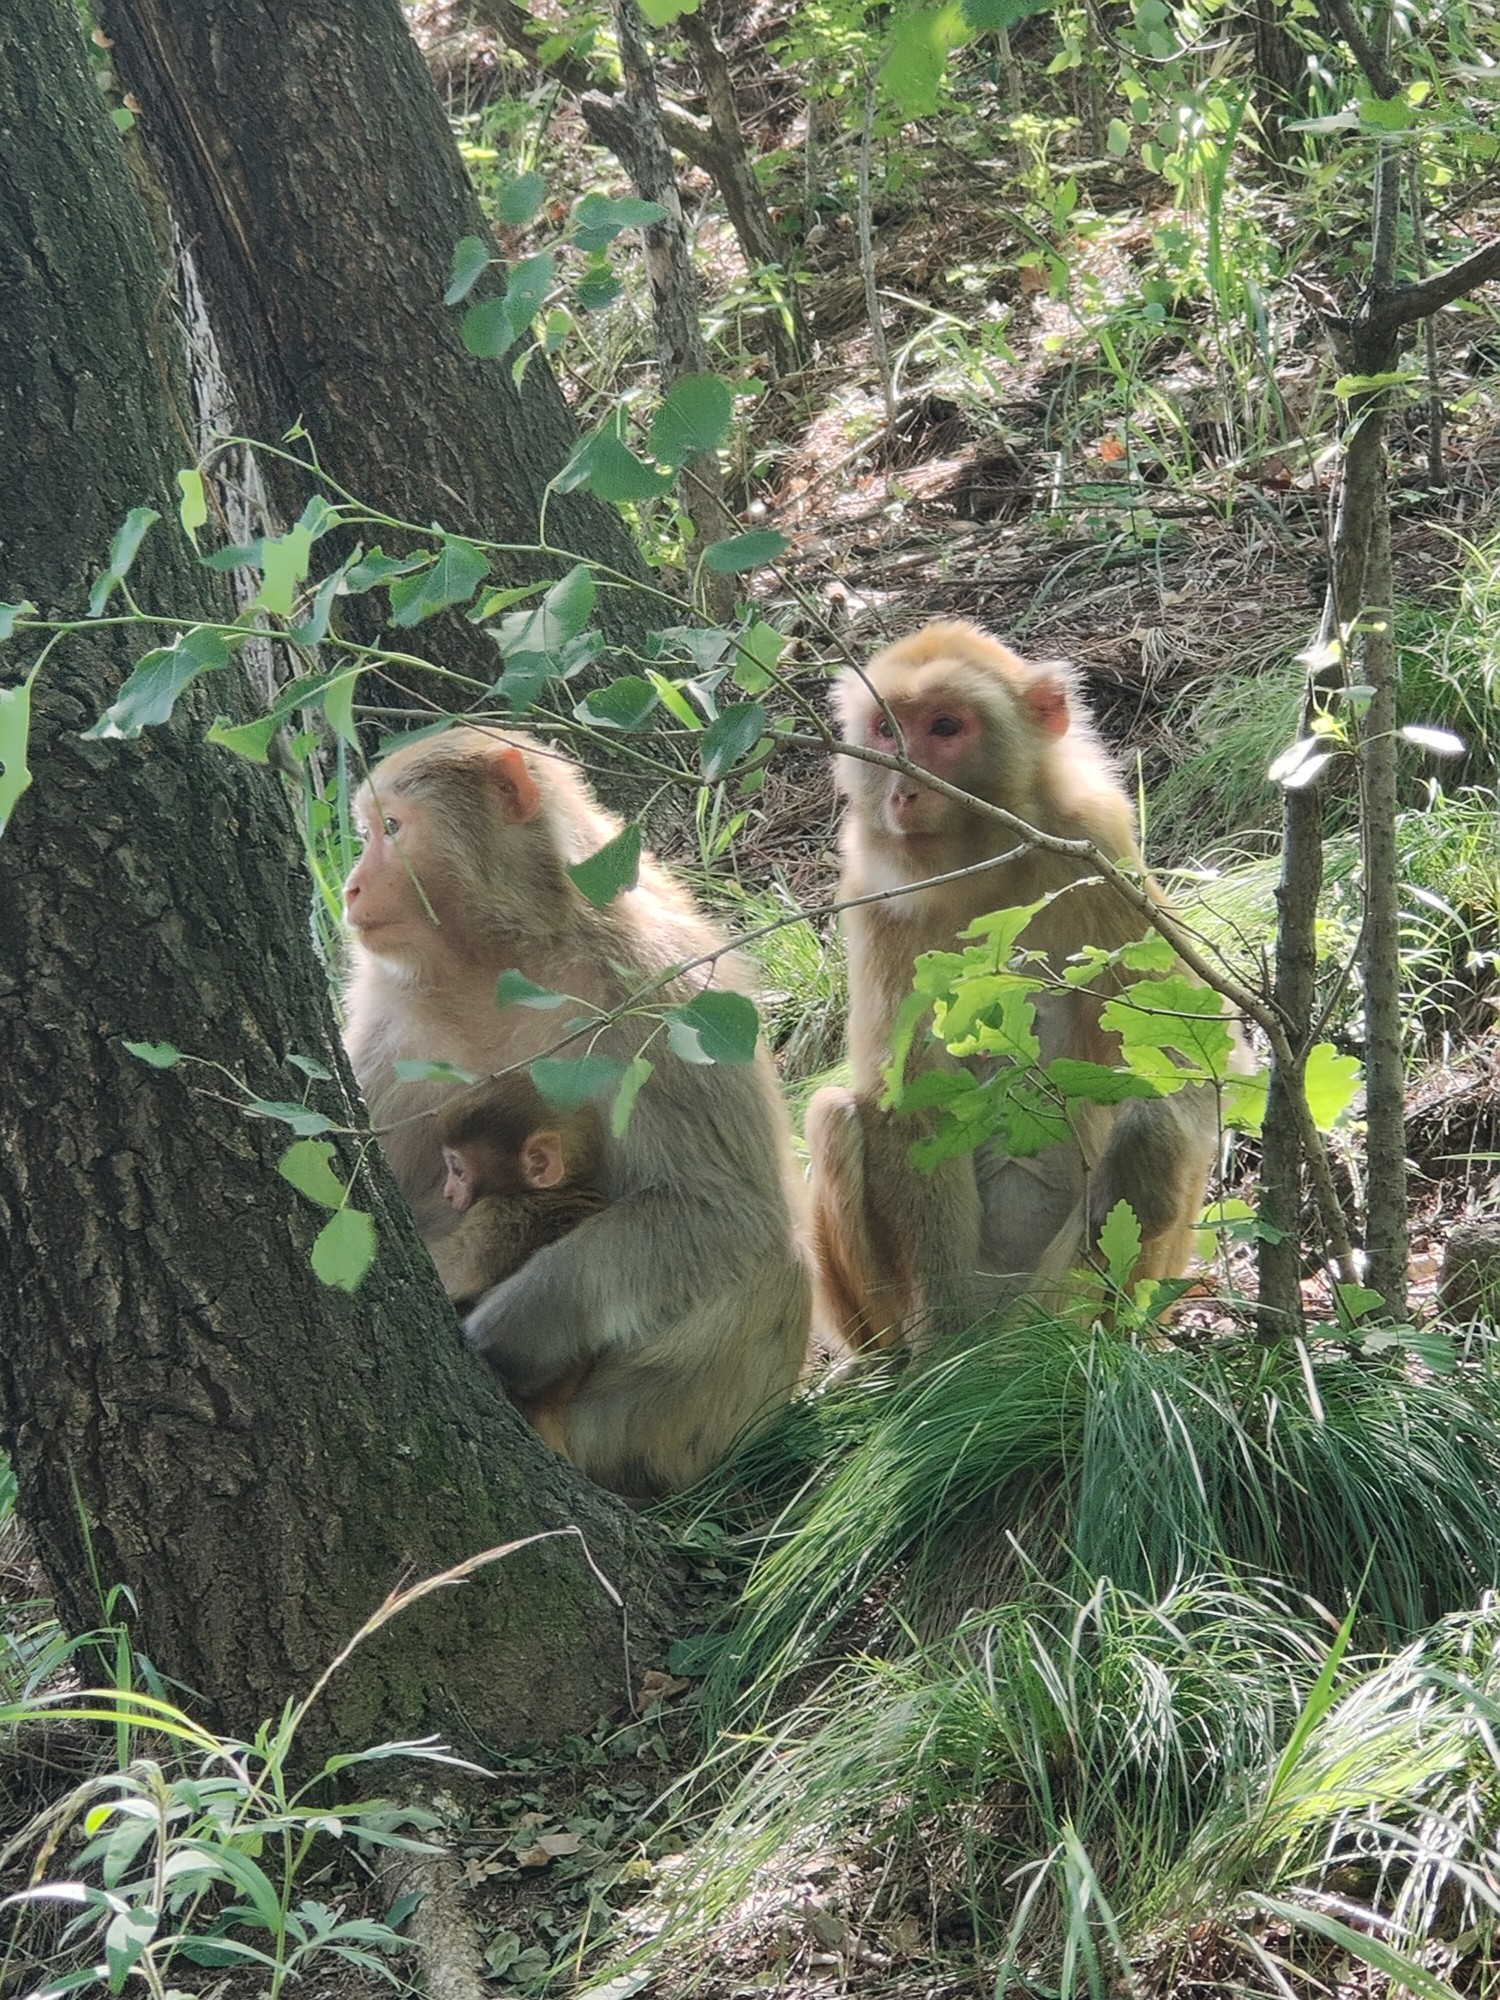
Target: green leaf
x=1331, y=1082
x=1356, y=1302
x=630, y=1089
x=610, y=869
x=1120, y=1243
x=990, y=17
x=251, y=740
x=306, y=1164
x=159, y=1055
x=192, y=509
x=1401, y=1971
x=377, y=568
x=917, y=54
x=714, y=1027
x=313, y=629
x=1094, y=1083
x=1369, y=385
x=519, y=200
x=471, y=259
x=733, y=735
x=455, y=576
x=1117, y=140
x=126, y=1936
x=601, y=463
x=344, y=1249
x=742, y=552
x=1172, y=1030
x=154, y=683
x=694, y=419
x=562, y=613
x=310, y=1066
x=624, y=704
x=307, y=1124
x=570, y=1081
x=410, y=1069
x=514, y=989
x=1386, y=114
x=1435, y=1349
x=284, y=565
x=15, y=739
x=674, y=701
x=492, y=328
x=1148, y=954
x=11, y=614
x=1242, y=1101
x=338, y=706
x=122, y=553
x=320, y=517
x=1436, y=742
x=758, y=649
x=597, y=288
x=662, y=13
x=597, y=220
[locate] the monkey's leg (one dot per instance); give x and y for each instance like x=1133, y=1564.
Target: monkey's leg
x=898, y=1248
x=1158, y=1158
x=654, y=1415
x=548, y=1413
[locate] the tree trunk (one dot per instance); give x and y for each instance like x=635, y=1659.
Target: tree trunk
x=633, y=121
x=310, y=168
x=1279, y=78
x=749, y=216
x=189, y=1412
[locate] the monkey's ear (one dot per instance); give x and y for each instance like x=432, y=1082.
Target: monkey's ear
x=520, y=794
x=542, y=1159
x=1046, y=700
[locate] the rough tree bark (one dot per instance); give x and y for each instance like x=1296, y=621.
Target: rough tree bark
x=189, y=1412
x=308, y=163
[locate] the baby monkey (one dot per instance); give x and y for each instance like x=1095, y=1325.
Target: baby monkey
x=520, y=1175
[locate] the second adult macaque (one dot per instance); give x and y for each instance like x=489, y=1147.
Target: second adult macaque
x=903, y=1250
x=678, y=1313
x=520, y=1177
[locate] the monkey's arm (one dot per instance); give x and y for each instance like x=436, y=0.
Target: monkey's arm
x=501, y=1231
x=698, y=1214
x=897, y=1246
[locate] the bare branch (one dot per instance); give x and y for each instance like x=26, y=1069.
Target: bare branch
x=1413, y=302
x=1339, y=18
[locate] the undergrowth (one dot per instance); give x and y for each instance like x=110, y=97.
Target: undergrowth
x=1048, y=1448
x=1070, y=1615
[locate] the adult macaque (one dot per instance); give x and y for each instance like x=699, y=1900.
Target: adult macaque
x=681, y=1310
x=901, y=1248
x=519, y=1176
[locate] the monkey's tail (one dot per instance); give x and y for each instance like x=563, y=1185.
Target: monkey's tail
x=852, y=1271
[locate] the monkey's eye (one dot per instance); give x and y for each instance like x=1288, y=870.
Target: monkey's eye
x=947, y=725
x=390, y=826
x=883, y=727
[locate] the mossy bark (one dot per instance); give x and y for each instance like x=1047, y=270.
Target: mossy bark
x=312, y=173
x=189, y=1411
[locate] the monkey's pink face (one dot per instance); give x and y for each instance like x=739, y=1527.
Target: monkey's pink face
x=457, y=1187
x=383, y=903
x=944, y=737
